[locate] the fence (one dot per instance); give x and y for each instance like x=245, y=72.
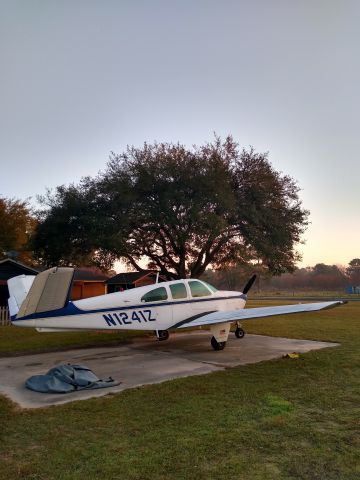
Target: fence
x=4, y=316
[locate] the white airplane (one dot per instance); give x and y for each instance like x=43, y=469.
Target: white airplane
x=42, y=302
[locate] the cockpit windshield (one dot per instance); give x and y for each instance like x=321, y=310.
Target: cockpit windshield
x=213, y=289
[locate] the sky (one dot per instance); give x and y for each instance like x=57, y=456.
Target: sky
x=82, y=78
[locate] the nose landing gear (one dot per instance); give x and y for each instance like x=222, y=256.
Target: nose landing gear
x=239, y=332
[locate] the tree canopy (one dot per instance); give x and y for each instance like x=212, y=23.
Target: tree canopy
x=16, y=226
x=180, y=209
x=353, y=271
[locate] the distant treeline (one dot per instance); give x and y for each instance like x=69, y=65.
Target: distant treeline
x=319, y=277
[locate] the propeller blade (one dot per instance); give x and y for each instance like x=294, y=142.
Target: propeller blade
x=249, y=284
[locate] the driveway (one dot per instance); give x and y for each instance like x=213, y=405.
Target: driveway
x=142, y=362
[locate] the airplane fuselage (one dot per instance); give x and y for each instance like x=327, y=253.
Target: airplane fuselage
x=42, y=302
x=154, y=307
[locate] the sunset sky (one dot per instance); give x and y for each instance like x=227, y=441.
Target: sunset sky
x=82, y=78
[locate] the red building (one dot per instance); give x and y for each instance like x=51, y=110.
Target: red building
x=88, y=282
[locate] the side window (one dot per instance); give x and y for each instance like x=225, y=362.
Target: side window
x=155, y=295
x=178, y=290
x=198, y=289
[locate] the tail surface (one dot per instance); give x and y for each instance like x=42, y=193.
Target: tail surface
x=18, y=289
x=50, y=290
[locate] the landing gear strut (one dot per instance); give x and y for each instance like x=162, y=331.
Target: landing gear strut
x=239, y=332
x=162, y=335
x=217, y=345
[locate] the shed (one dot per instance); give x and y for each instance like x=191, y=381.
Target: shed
x=88, y=282
x=128, y=280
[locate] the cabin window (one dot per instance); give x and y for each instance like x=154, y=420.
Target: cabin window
x=155, y=295
x=178, y=290
x=198, y=289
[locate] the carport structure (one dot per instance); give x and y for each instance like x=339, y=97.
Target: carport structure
x=10, y=268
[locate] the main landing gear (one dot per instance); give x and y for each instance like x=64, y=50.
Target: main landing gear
x=220, y=334
x=239, y=332
x=217, y=345
x=162, y=335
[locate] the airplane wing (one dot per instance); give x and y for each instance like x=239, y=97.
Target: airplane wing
x=248, y=313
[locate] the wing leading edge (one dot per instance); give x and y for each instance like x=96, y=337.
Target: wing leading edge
x=247, y=314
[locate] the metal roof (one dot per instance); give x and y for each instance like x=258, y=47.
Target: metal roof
x=23, y=269
x=90, y=275
x=129, y=277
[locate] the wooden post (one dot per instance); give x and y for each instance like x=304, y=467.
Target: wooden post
x=4, y=316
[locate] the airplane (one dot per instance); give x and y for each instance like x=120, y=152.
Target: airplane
x=43, y=302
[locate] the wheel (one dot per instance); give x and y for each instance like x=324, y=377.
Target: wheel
x=239, y=332
x=163, y=335
x=217, y=345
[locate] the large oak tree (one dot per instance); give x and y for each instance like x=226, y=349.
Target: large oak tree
x=180, y=209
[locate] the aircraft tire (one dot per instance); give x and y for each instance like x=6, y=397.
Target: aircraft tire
x=217, y=345
x=239, y=332
x=163, y=335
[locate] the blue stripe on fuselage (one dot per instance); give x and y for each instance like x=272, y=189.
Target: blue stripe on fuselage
x=72, y=309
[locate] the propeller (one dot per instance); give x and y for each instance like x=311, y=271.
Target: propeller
x=249, y=284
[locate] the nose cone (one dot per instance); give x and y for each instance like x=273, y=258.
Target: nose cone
x=234, y=300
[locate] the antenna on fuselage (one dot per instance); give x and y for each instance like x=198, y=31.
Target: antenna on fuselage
x=157, y=277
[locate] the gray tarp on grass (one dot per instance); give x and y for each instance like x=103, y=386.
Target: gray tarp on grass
x=67, y=378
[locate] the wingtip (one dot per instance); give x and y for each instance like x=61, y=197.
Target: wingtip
x=335, y=304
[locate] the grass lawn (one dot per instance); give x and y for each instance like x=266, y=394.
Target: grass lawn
x=282, y=419
x=305, y=293
x=16, y=340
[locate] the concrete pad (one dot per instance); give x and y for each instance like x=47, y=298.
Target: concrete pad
x=145, y=361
